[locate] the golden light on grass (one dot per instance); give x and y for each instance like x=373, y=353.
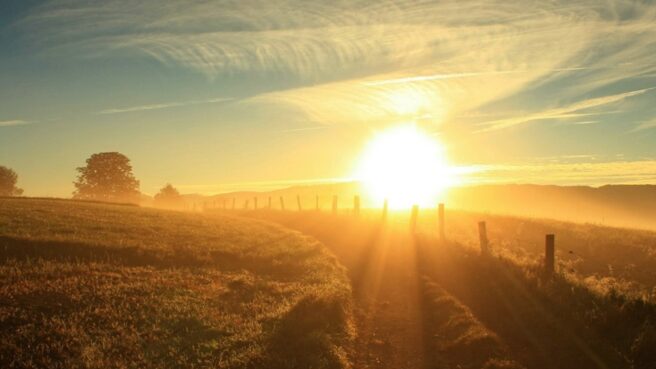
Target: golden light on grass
x=406, y=166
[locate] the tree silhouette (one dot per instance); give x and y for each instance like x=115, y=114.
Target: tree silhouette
x=107, y=177
x=8, y=180
x=169, y=197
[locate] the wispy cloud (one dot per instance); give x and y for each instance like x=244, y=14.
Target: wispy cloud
x=347, y=56
x=437, y=77
x=569, y=111
x=310, y=37
x=16, y=122
x=303, y=129
x=163, y=106
x=584, y=123
x=645, y=125
x=591, y=173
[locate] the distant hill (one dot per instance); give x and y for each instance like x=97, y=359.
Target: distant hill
x=308, y=194
x=621, y=205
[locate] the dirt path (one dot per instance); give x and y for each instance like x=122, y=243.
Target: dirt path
x=388, y=310
x=535, y=322
x=383, y=271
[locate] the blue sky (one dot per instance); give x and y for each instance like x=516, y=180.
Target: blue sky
x=214, y=96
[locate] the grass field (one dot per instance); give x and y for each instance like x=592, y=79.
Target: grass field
x=97, y=285
x=604, y=259
x=498, y=311
x=89, y=285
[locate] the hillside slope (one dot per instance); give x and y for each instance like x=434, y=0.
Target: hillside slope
x=106, y=286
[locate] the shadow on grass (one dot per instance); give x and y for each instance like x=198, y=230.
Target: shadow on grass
x=454, y=336
x=132, y=256
x=313, y=334
x=546, y=324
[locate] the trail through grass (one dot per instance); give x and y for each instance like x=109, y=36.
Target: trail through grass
x=477, y=311
x=382, y=266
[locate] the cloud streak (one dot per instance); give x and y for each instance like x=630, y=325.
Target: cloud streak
x=645, y=125
x=437, y=77
x=350, y=57
x=169, y=105
x=309, y=37
x=569, y=111
x=586, y=173
x=15, y=122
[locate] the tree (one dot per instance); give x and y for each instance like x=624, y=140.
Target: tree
x=8, y=179
x=169, y=197
x=107, y=177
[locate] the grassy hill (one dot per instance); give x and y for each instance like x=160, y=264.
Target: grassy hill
x=107, y=286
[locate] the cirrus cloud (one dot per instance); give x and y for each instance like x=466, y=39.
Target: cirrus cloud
x=349, y=57
x=15, y=122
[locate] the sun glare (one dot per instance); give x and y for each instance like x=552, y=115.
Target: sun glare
x=405, y=166
x=406, y=101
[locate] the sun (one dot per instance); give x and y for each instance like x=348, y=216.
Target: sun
x=405, y=166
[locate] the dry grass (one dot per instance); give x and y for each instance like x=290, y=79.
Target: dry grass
x=87, y=285
x=488, y=306
x=551, y=323
x=458, y=338
x=605, y=259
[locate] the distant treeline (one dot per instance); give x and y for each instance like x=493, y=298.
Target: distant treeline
x=108, y=177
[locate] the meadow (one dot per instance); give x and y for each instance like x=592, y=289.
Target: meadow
x=603, y=258
x=92, y=285
x=499, y=310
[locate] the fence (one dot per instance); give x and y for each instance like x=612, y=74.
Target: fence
x=484, y=242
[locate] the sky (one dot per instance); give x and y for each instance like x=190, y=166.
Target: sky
x=215, y=96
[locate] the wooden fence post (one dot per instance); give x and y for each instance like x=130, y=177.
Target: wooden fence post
x=385, y=205
x=317, y=202
x=549, y=254
x=334, y=204
x=282, y=203
x=298, y=201
x=234, y=200
x=482, y=238
x=356, y=205
x=269, y=202
x=255, y=202
x=440, y=214
x=413, y=218
x=246, y=204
